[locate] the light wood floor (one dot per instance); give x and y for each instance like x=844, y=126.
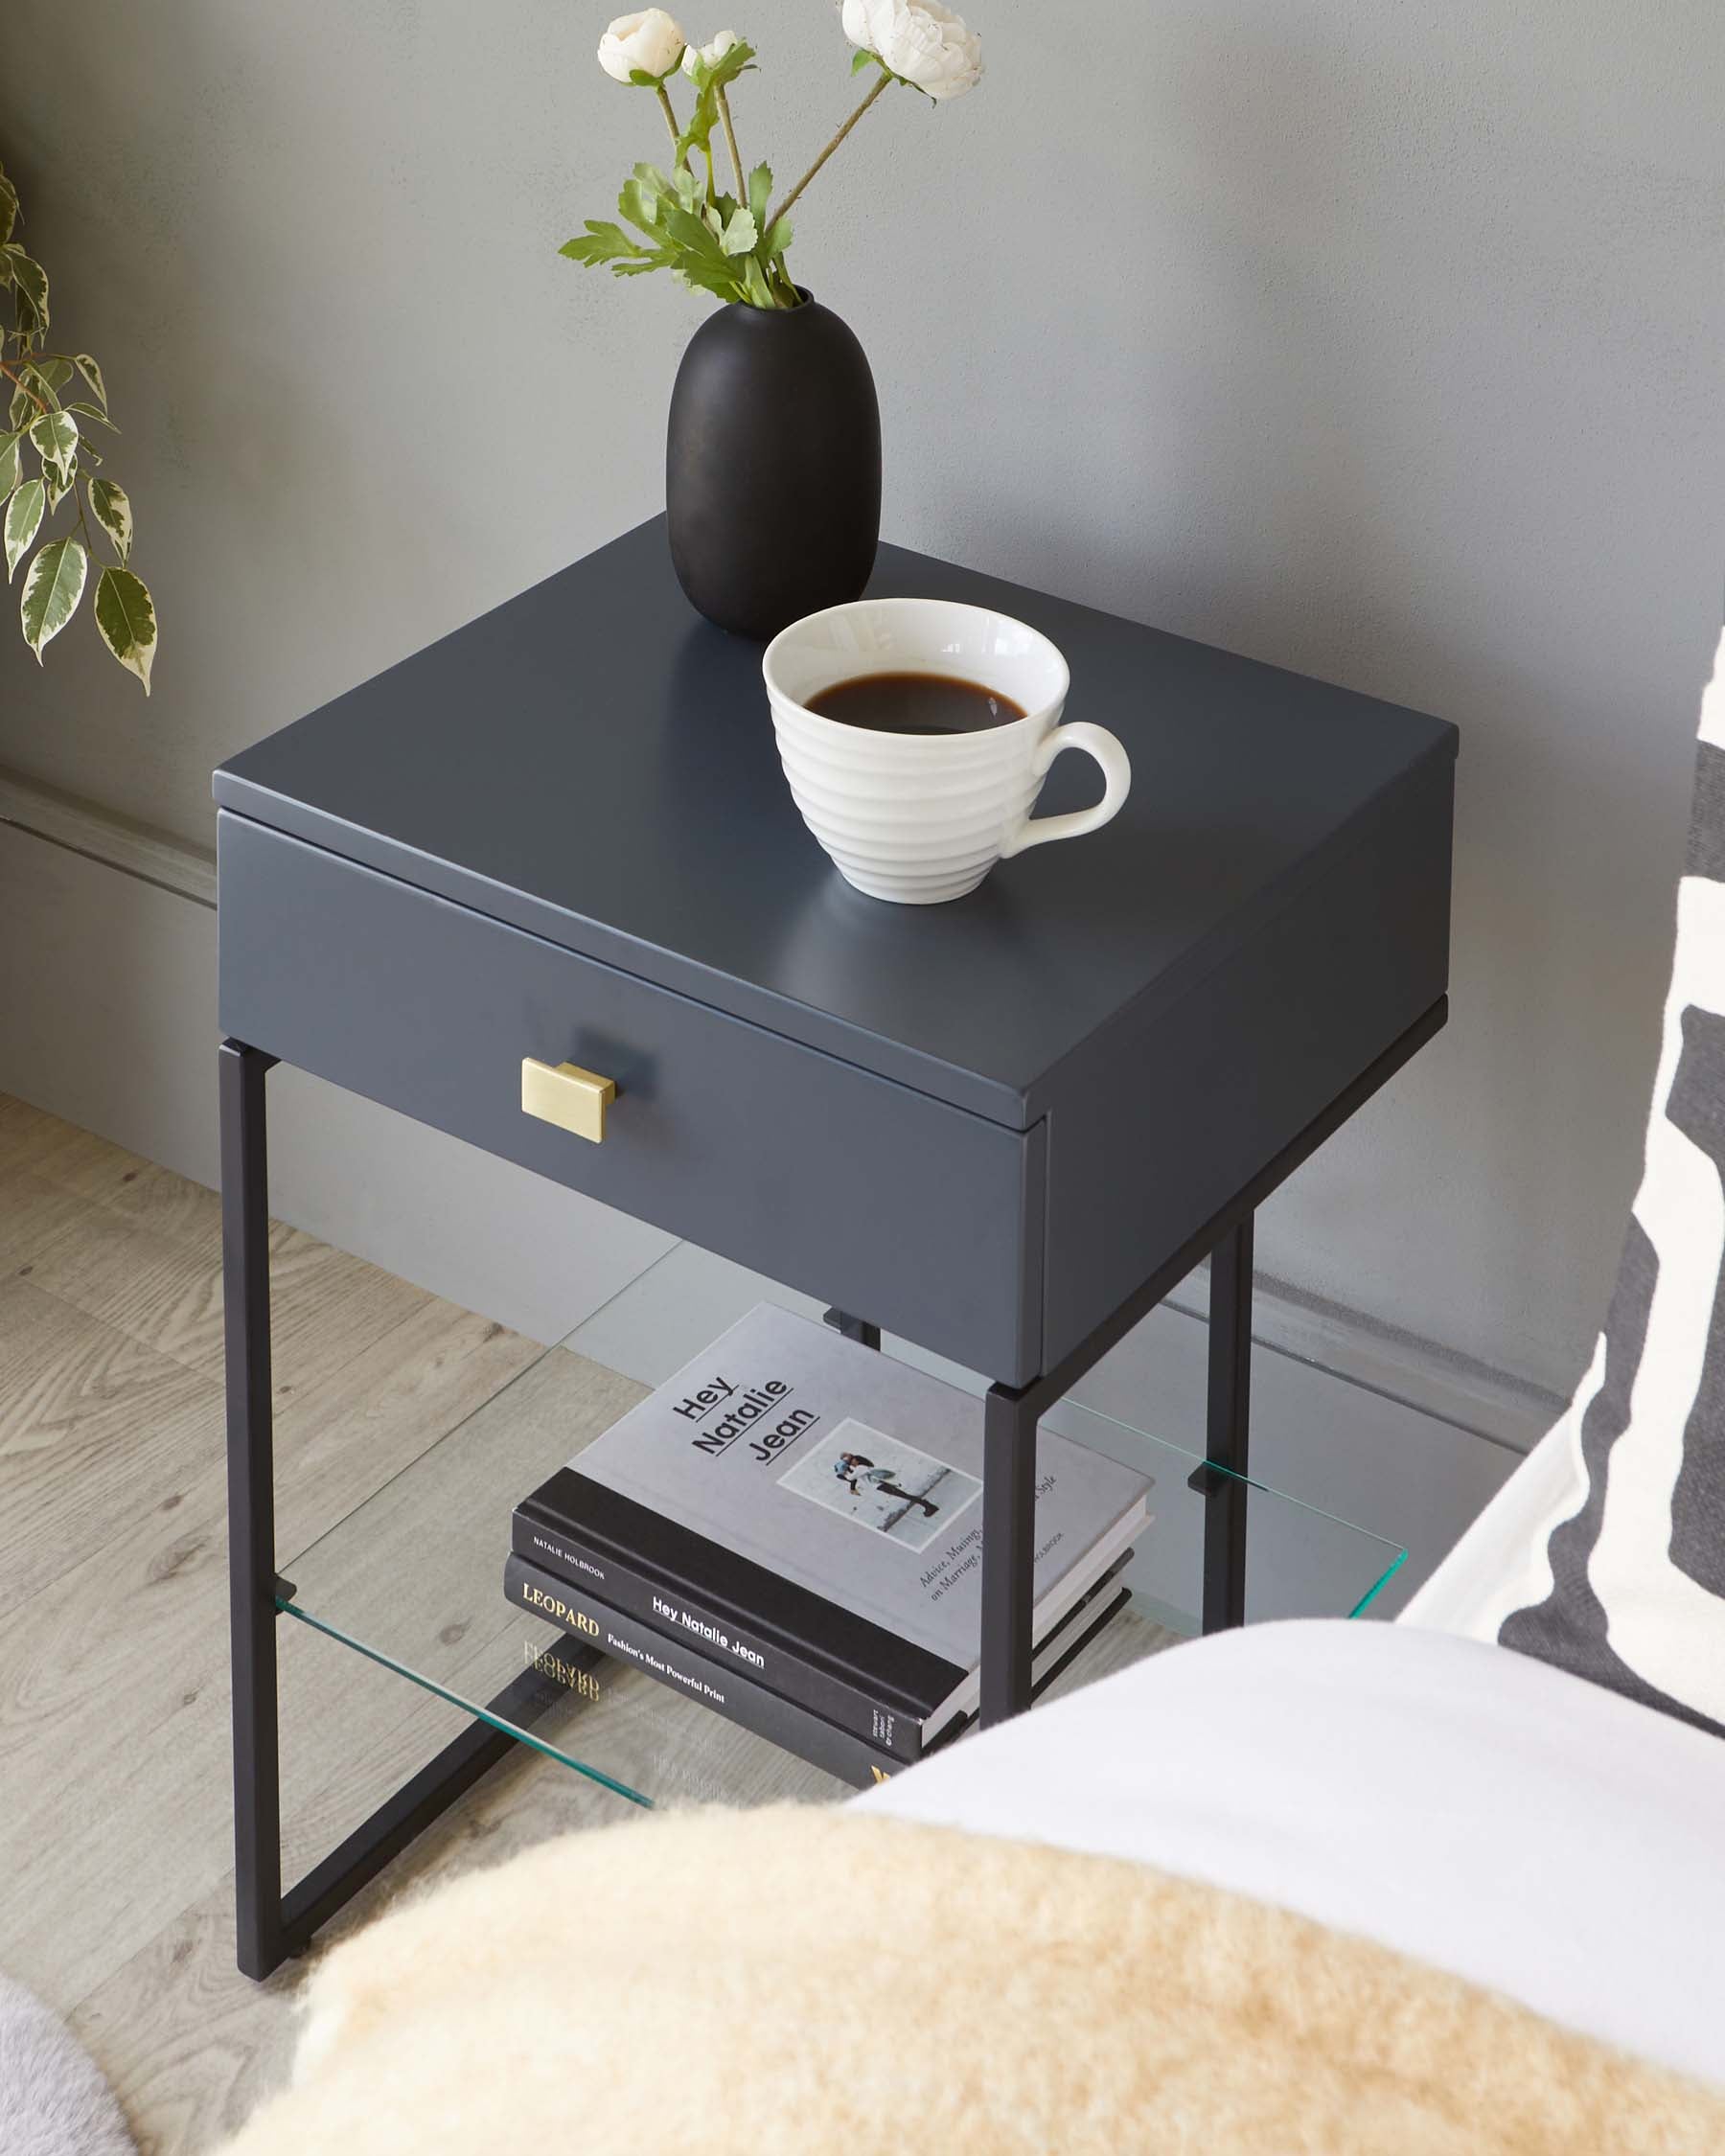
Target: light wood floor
x=115, y=1881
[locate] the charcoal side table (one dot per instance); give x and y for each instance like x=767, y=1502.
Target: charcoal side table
x=1003, y=1128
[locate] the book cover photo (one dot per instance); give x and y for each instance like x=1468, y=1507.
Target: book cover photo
x=883, y=1483
x=784, y=1450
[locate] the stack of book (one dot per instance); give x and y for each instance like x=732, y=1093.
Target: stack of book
x=789, y=1530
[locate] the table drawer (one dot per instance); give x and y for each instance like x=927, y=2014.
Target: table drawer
x=901, y=1209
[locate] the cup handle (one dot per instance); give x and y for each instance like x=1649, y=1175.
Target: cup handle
x=1116, y=783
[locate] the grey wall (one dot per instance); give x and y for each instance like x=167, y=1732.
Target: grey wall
x=1377, y=339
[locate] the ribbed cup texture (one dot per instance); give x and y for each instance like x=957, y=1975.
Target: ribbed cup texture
x=913, y=818
x=909, y=819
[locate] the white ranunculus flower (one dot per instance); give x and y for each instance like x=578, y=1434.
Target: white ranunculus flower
x=649, y=42
x=709, y=53
x=924, y=42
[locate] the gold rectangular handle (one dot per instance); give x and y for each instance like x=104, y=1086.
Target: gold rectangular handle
x=566, y=1095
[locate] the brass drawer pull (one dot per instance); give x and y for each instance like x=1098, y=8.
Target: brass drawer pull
x=566, y=1095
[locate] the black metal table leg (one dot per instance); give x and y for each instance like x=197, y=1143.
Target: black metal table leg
x=1227, y=1429
x=251, y=1509
x=1008, y=1535
x=1008, y=1538
x=269, y=1928
x=857, y=1329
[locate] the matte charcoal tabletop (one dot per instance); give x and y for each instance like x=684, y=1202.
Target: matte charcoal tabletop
x=594, y=762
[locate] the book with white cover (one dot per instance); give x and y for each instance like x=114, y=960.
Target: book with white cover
x=798, y=1483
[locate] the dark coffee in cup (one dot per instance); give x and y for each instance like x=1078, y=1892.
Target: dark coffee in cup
x=921, y=820
x=915, y=703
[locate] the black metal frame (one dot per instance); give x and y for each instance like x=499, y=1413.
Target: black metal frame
x=271, y=1926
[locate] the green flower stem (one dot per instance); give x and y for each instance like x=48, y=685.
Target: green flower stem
x=730, y=138
x=664, y=97
x=819, y=161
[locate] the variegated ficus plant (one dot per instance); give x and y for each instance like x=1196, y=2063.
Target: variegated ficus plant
x=733, y=245
x=48, y=461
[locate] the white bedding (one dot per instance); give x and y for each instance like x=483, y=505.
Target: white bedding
x=1467, y=1805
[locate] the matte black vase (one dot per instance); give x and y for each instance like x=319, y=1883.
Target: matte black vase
x=773, y=467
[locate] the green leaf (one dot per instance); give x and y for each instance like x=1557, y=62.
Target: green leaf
x=778, y=237
x=709, y=81
x=690, y=233
x=9, y=208
x=30, y=280
x=23, y=519
x=126, y=616
x=671, y=214
x=112, y=510
x=760, y=192
x=642, y=80
x=53, y=585
x=740, y=234
x=55, y=371
x=738, y=61
x=55, y=435
x=37, y=388
x=56, y=483
x=603, y=243
x=860, y=60
x=10, y=464
x=22, y=408
x=699, y=133
x=87, y=410
x=92, y=374
x=717, y=276
x=641, y=205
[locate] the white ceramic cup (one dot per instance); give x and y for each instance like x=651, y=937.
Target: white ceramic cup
x=922, y=817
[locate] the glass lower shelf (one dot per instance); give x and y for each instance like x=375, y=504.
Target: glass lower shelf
x=412, y=1578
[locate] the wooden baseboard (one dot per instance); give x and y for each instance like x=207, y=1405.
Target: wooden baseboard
x=81, y=827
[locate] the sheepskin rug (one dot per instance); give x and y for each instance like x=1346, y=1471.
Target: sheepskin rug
x=54, y=2100
x=821, y=1982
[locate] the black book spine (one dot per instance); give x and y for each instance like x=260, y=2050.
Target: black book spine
x=675, y=1614
x=714, y=1685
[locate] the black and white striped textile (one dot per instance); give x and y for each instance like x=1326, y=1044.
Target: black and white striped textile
x=1604, y=1553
